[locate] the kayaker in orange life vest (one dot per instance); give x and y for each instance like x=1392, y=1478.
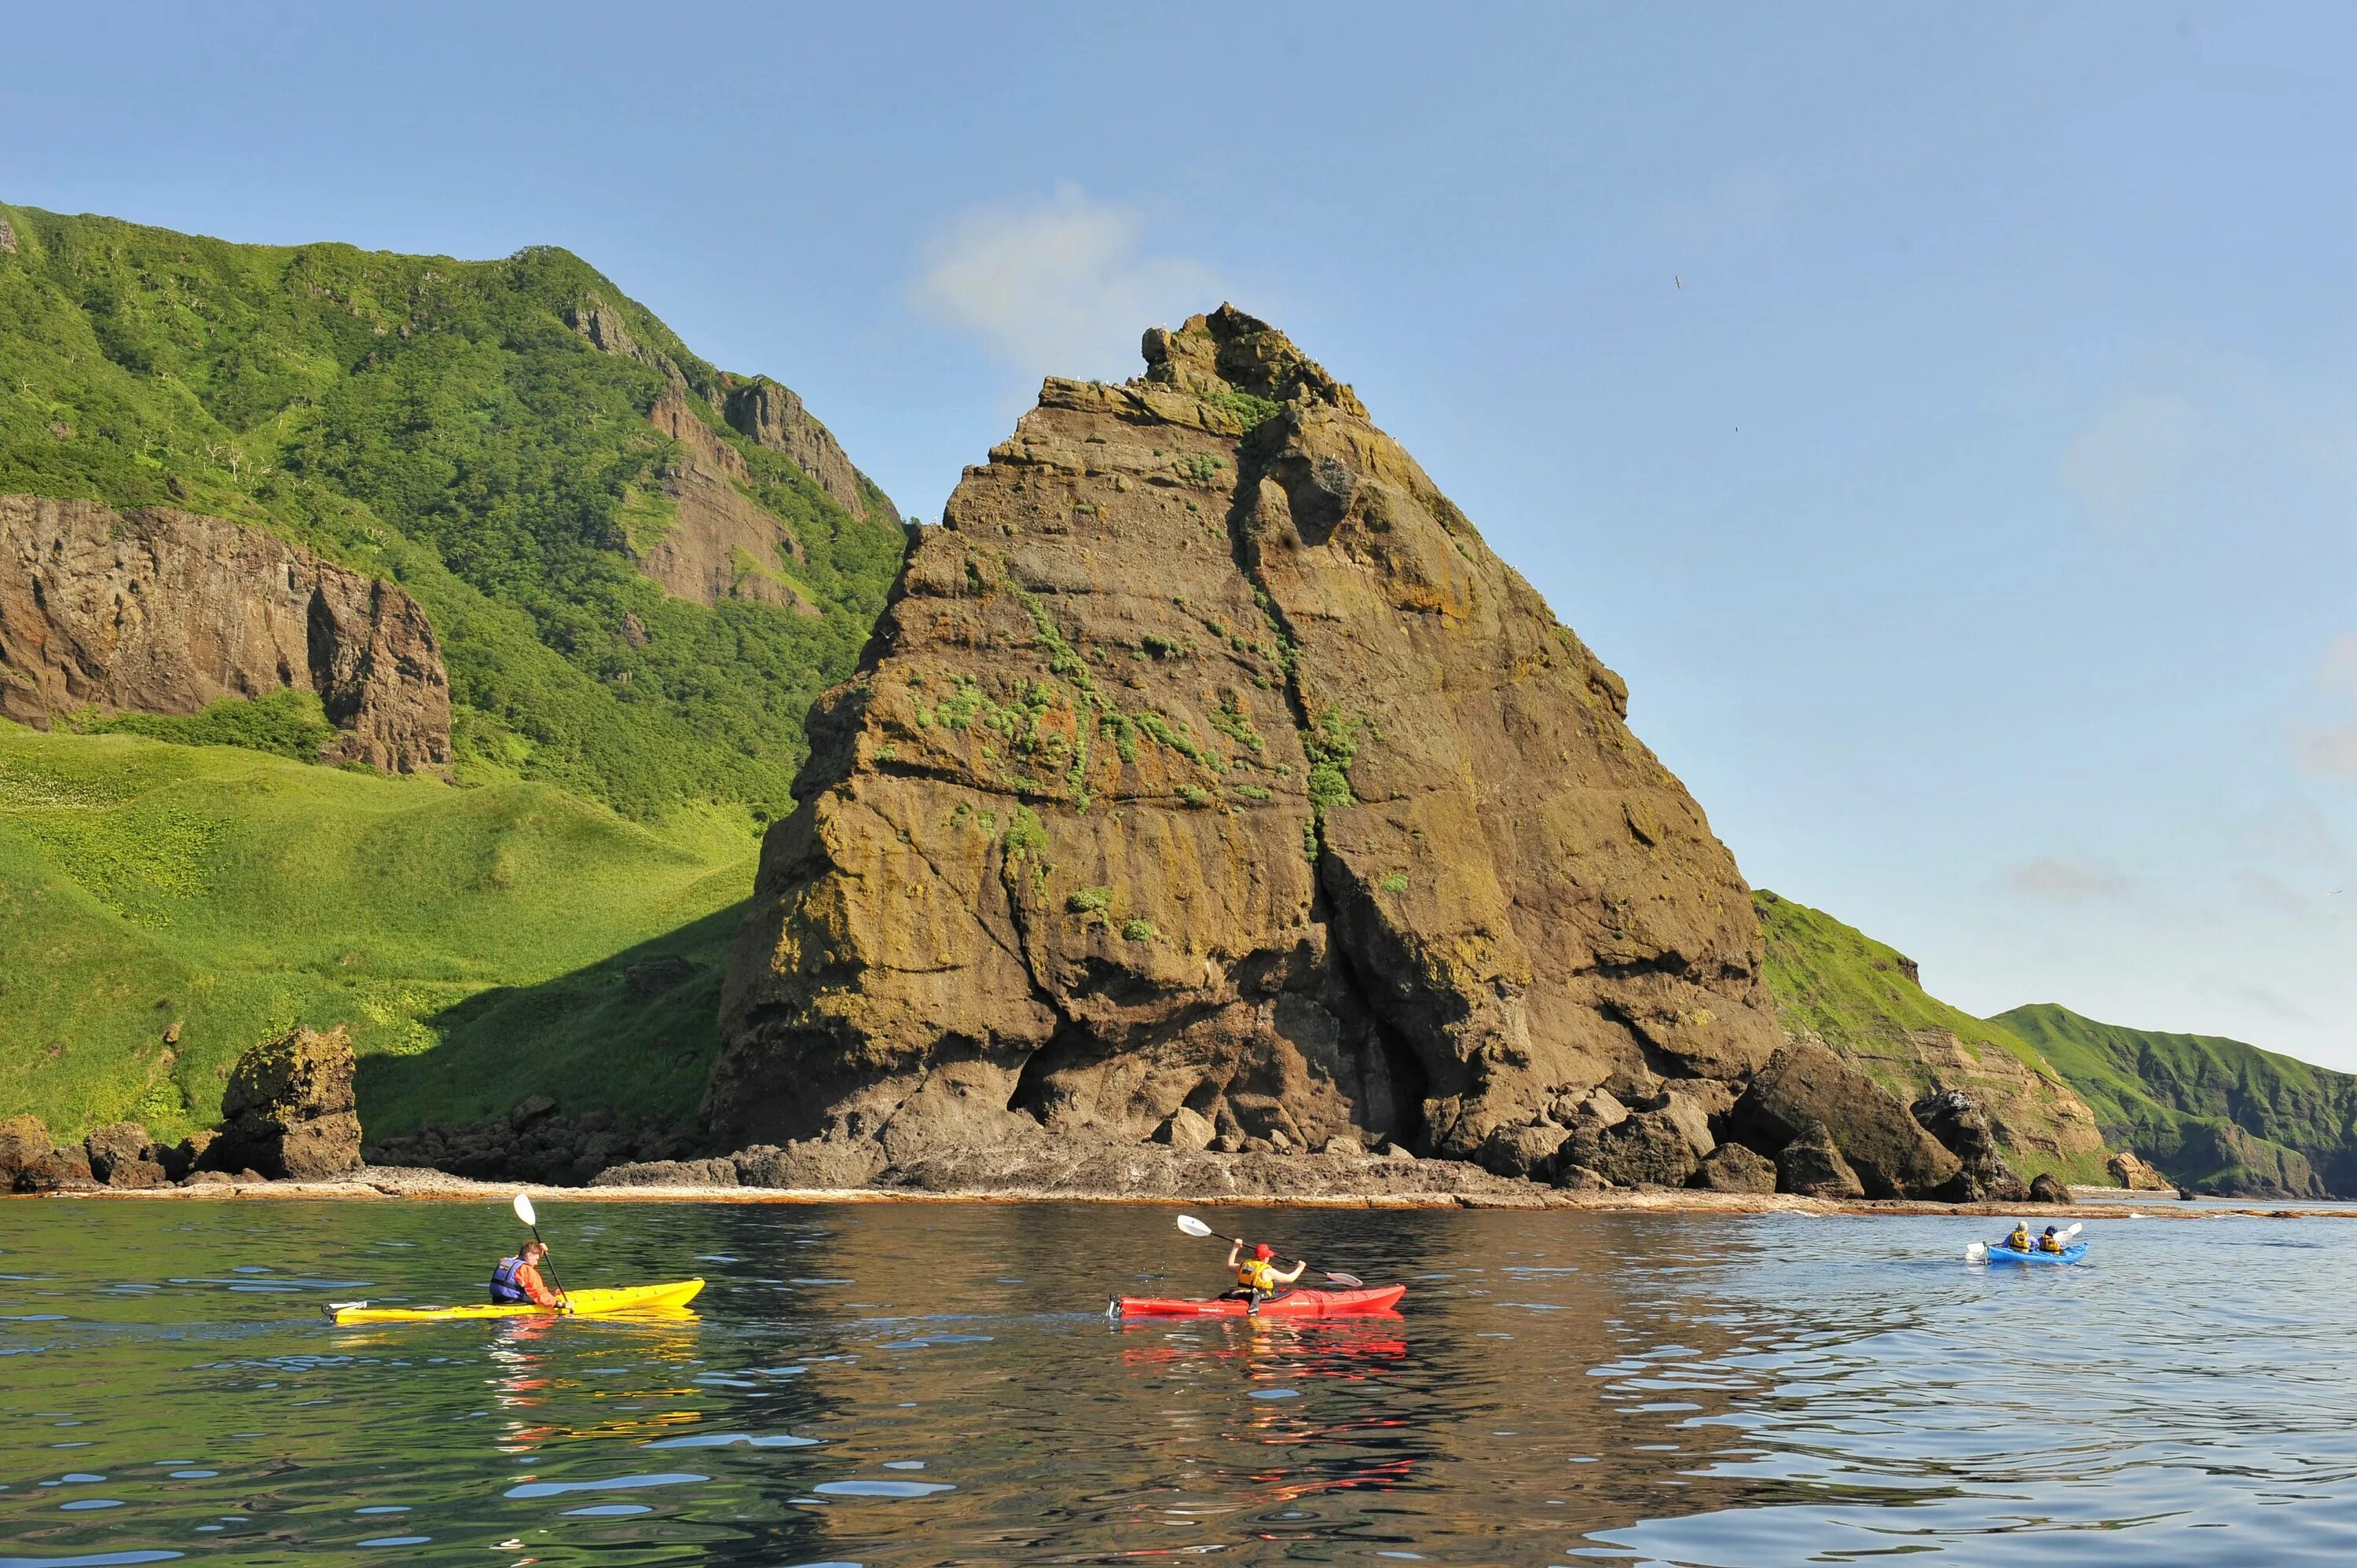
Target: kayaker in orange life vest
x=1258, y=1276
x=516, y=1281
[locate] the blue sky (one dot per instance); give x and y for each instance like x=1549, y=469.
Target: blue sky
x=1942, y=416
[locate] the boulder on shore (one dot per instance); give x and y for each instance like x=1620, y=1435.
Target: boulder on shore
x=2128, y=1171
x=289, y=1111
x=1806, y=1085
x=1813, y=1166
x=122, y=1155
x=2044, y=1187
x=24, y=1140
x=57, y=1170
x=1645, y=1148
x=719, y=1171
x=1731, y=1167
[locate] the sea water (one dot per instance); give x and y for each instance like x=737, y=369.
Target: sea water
x=931, y=1383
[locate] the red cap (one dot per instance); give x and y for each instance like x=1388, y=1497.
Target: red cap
x=1264, y=1250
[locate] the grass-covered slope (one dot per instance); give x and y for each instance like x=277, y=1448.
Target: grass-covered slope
x=1863, y=999
x=476, y=940
x=441, y=422
x=2215, y=1114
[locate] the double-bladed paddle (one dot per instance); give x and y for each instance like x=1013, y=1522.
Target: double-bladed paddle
x=1194, y=1226
x=531, y=1222
x=1978, y=1252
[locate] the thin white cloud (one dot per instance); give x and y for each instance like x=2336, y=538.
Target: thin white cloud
x=2329, y=751
x=2049, y=880
x=2332, y=752
x=1062, y=287
x=2136, y=453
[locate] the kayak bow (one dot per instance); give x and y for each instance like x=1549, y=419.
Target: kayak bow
x=1308, y=1303
x=583, y=1303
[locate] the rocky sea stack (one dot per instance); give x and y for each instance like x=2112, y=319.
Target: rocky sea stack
x=1209, y=781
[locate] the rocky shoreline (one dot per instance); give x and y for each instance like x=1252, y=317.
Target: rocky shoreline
x=399, y=1183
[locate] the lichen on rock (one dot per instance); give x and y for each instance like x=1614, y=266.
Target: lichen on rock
x=1207, y=760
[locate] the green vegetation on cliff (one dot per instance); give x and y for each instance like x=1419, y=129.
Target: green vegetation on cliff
x=2214, y=1114
x=1863, y=999
x=476, y=940
x=480, y=433
x=444, y=423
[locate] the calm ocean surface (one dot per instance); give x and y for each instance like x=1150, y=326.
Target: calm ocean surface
x=936, y=1383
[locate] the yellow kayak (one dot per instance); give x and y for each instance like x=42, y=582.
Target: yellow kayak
x=584, y=1303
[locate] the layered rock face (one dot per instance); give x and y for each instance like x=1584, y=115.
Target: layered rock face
x=1208, y=770
x=720, y=540
x=774, y=416
x=161, y=612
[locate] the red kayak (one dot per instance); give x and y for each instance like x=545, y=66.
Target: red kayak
x=1290, y=1304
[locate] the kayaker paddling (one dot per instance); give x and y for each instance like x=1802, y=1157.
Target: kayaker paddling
x=517, y=1283
x=1257, y=1277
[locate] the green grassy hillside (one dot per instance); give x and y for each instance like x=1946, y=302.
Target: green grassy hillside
x=443, y=423
x=440, y=422
x=474, y=939
x=2216, y=1115
x=1862, y=998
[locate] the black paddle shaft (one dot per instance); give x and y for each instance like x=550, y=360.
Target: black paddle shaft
x=546, y=1257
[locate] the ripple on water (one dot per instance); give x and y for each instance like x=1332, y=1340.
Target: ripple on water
x=731, y=1439
x=881, y=1488
x=611, y=1484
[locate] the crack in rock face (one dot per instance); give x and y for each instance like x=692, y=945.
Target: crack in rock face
x=1208, y=775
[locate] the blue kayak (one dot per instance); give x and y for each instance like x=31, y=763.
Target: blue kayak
x=2069, y=1254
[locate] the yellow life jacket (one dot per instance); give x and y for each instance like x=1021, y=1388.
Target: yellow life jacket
x=2019, y=1240
x=1256, y=1273
x=2049, y=1243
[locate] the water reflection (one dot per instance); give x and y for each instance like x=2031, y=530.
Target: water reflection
x=936, y=1383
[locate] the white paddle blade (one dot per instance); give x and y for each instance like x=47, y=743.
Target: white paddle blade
x=2074, y=1229
x=1976, y=1252
x=523, y=1210
x=1347, y=1282
x=1187, y=1222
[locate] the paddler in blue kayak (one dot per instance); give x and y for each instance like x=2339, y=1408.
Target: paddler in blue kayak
x=2019, y=1241
x=2050, y=1242
x=1258, y=1277
x=517, y=1283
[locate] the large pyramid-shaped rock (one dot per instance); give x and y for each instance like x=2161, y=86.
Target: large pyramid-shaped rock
x=1207, y=758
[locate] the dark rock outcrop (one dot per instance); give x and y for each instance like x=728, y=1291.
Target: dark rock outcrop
x=122, y=1156
x=1956, y=1119
x=1812, y=1166
x=1804, y=1085
x=156, y=611
x=289, y=1111
x=2046, y=1188
x=774, y=416
x=533, y=1142
x=62, y=1169
x=1207, y=758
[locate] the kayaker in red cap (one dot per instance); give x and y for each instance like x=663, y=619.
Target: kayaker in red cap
x=1258, y=1277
